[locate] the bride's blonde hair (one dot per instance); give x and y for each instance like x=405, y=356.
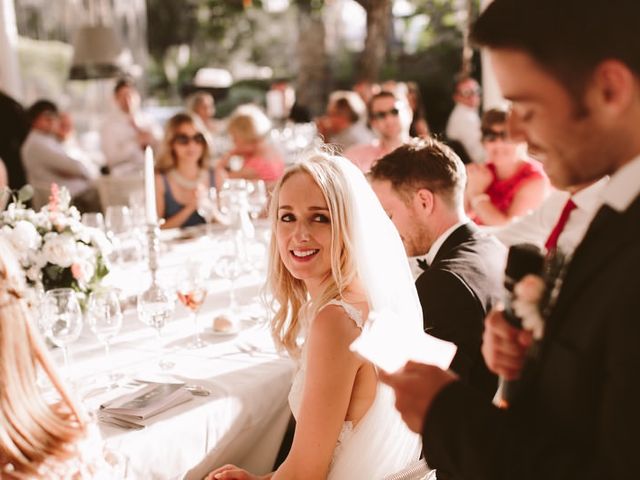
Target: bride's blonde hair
x=33, y=433
x=289, y=293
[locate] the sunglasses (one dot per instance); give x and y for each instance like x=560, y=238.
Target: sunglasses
x=494, y=135
x=182, y=139
x=469, y=92
x=380, y=115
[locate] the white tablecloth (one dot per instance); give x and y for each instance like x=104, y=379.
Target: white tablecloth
x=244, y=418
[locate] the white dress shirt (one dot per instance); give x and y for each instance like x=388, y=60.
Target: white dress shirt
x=46, y=161
x=464, y=126
x=536, y=226
x=624, y=186
x=119, y=141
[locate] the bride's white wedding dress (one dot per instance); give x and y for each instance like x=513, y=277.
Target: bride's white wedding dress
x=380, y=444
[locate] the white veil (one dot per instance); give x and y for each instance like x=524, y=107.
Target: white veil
x=383, y=268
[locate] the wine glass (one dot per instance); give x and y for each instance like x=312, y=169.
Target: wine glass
x=257, y=197
x=155, y=307
x=192, y=293
x=93, y=220
x=230, y=268
x=104, y=317
x=63, y=319
x=208, y=205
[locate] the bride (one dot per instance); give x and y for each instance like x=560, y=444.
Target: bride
x=335, y=256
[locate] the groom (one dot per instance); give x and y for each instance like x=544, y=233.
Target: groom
x=421, y=186
x=572, y=71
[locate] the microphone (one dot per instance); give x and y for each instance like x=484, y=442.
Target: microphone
x=523, y=259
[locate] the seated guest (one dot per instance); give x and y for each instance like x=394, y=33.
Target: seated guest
x=463, y=125
x=39, y=439
x=46, y=161
x=389, y=118
x=249, y=128
x=15, y=128
x=183, y=164
x=560, y=222
x=420, y=185
x=344, y=124
x=126, y=131
x=510, y=184
x=202, y=105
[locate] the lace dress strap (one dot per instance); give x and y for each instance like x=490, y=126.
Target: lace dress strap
x=353, y=313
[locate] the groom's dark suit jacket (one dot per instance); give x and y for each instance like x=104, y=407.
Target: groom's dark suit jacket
x=578, y=413
x=456, y=291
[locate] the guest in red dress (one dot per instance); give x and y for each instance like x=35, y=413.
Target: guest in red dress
x=510, y=184
x=249, y=128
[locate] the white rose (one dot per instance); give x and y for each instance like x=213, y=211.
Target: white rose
x=25, y=236
x=60, y=250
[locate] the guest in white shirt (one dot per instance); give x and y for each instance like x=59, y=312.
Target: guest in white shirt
x=46, y=161
x=536, y=227
x=464, y=122
x=126, y=131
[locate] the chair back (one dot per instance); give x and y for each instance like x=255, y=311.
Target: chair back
x=117, y=190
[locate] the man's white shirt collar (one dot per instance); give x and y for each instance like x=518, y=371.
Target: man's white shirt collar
x=623, y=187
x=433, y=251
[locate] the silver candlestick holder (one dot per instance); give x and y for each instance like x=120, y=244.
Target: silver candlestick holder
x=153, y=250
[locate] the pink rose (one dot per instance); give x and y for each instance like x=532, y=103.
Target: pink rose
x=76, y=271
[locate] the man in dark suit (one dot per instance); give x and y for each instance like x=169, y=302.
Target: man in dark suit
x=15, y=127
x=575, y=90
x=420, y=186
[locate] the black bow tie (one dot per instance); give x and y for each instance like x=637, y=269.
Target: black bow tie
x=422, y=263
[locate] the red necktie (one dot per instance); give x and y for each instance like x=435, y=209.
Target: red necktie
x=552, y=241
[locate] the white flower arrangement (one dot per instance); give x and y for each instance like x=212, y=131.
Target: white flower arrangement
x=53, y=247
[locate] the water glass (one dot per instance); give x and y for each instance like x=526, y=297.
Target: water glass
x=104, y=317
x=208, y=205
x=257, y=197
x=155, y=308
x=63, y=319
x=93, y=220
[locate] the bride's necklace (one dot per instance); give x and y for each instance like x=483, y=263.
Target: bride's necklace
x=185, y=182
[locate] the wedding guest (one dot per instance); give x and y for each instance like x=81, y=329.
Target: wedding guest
x=509, y=184
x=575, y=94
x=39, y=439
x=344, y=123
x=420, y=186
x=326, y=273
x=249, y=129
x=126, y=131
x=46, y=161
x=184, y=172
x=463, y=125
x=202, y=105
x=389, y=118
x=15, y=128
x=366, y=90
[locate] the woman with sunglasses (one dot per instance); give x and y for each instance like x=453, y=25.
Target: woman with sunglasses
x=183, y=166
x=510, y=184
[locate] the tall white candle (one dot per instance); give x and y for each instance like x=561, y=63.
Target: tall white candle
x=149, y=187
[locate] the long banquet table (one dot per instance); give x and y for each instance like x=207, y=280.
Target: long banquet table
x=244, y=418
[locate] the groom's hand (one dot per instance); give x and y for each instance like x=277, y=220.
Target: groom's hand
x=416, y=385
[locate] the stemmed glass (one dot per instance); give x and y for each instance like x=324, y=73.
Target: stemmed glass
x=192, y=293
x=257, y=197
x=93, y=220
x=63, y=319
x=229, y=267
x=155, y=307
x=104, y=317
x=208, y=205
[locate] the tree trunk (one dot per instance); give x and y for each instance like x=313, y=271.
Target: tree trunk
x=313, y=62
x=375, y=45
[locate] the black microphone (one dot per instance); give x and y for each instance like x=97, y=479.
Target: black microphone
x=523, y=259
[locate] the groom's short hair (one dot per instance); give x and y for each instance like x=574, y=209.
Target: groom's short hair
x=423, y=163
